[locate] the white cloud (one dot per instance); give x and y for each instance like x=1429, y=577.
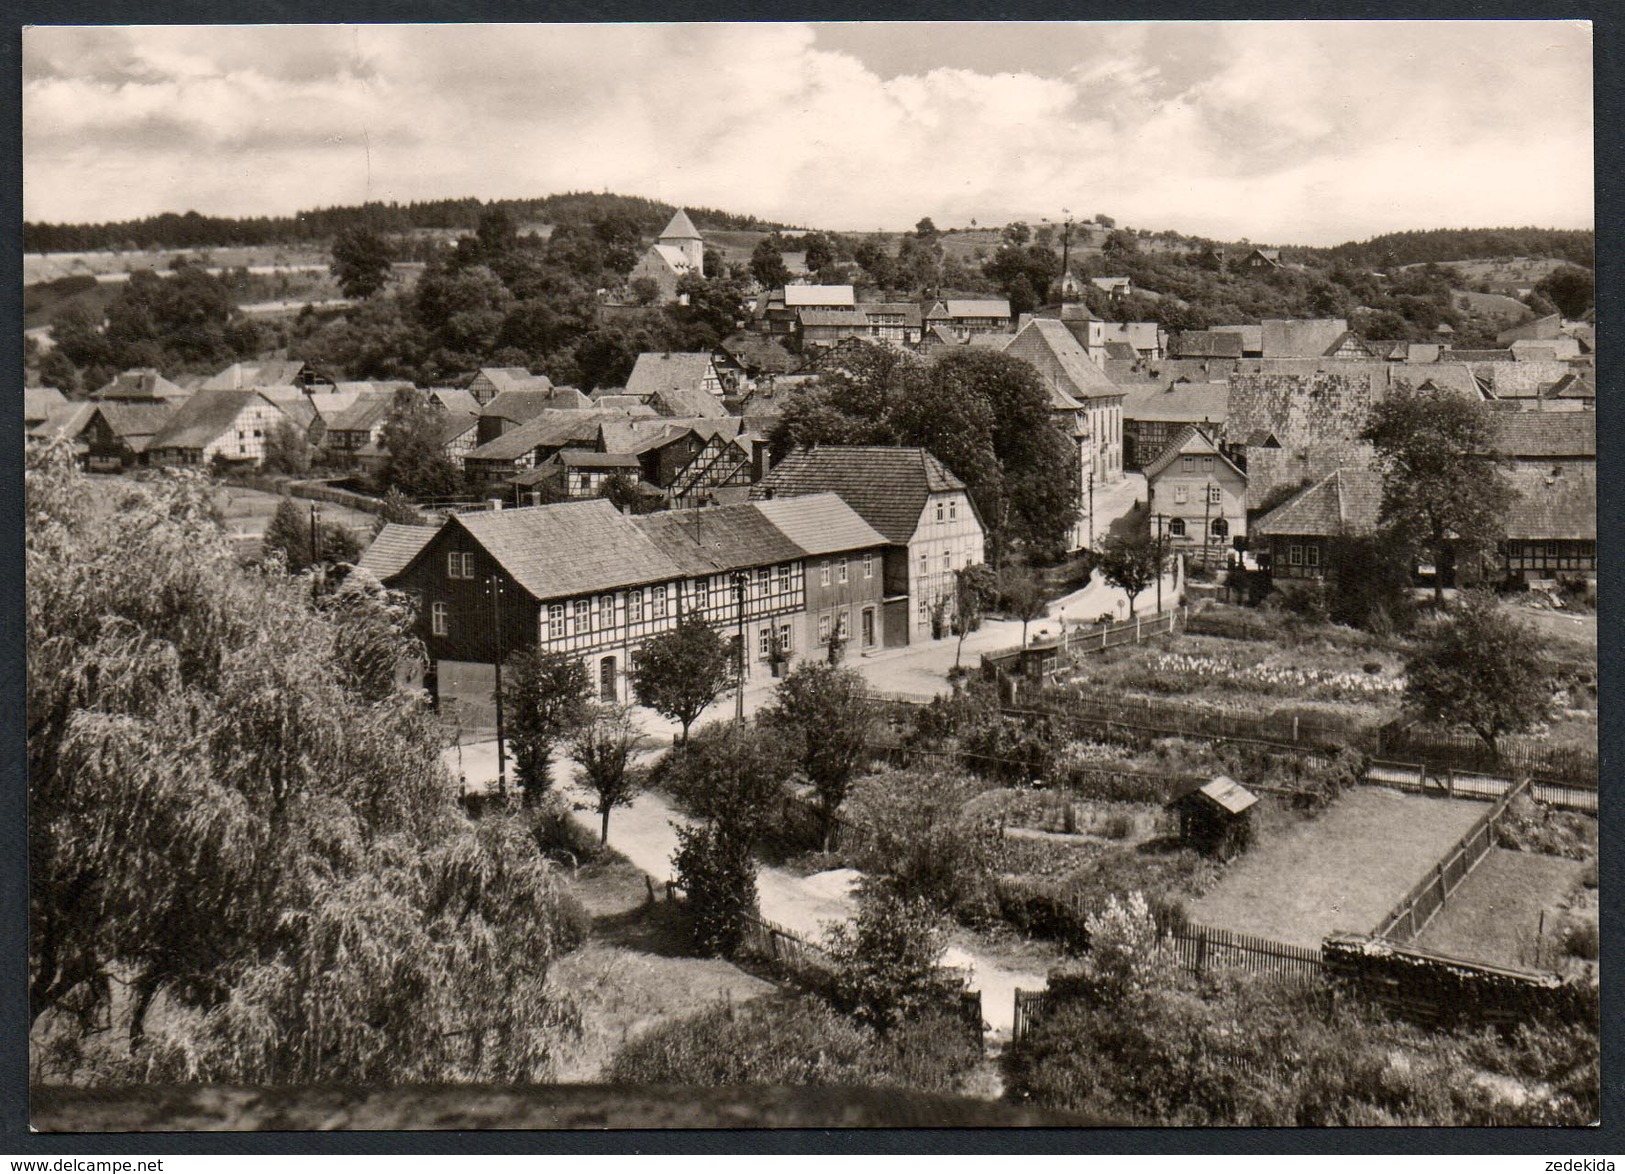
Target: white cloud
x=1307, y=132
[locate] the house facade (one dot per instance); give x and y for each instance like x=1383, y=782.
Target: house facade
x=1197, y=496
x=228, y=423
x=1296, y=538
x=962, y=318
x=927, y=518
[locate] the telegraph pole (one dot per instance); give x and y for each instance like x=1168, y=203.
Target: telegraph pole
x=1159, y=562
x=1207, y=510
x=315, y=546
x=495, y=588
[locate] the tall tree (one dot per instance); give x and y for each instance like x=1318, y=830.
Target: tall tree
x=546, y=698
x=1131, y=563
x=681, y=672
x=1571, y=289
x=1482, y=669
x=416, y=464
x=1022, y=595
x=826, y=718
x=287, y=535
x=234, y=814
x=361, y=262
x=767, y=264
x=1443, y=489
x=603, y=750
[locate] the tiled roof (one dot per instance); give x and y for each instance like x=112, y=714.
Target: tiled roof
x=241, y=376
x=455, y=399
x=572, y=548
x=140, y=383
x=888, y=487
x=135, y=421
x=1121, y=350
x=1551, y=506
x=722, y=537
x=977, y=308
x=852, y=318
x=1548, y=327
x=1204, y=344
x=674, y=370
x=1347, y=501
x=758, y=353
x=1252, y=336
x=1571, y=386
x=1546, y=434
x=1299, y=338
x=457, y=424
x=395, y=547
x=686, y=401
x=1079, y=376
x=528, y=403
x=820, y=523
x=909, y=312
x=38, y=402
x=680, y=227
x=1190, y=402
x=1190, y=441
x=550, y=429
x=818, y=295
x=596, y=460
x=1457, y=355
x=204, y=416
x=65, y=419
x=363, y=415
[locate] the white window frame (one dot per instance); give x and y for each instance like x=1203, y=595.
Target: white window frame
x=840, y=570
x=1187, y=464
x=1176, y=527
x=823, y=628
x=634, y=606
x=953, y=510
x=658, y=603
x=580, y=617
x=604, y=613
x=781, y=577
x=1294, y=554
x=942, y=511
x=557, y=621
x=868, y=564
x=1311, y=554
x=1215, y=495
x=764, y=642
x=787, y=638
x=823, y=573
x=1181, y=494
x=439, y=618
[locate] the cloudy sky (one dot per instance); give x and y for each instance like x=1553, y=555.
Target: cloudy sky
x=1298, y=132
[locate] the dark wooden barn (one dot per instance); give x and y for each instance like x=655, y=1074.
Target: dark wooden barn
x=1215, y=817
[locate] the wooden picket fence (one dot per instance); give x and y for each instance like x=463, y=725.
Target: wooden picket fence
x=1419, y=906
x=1083, y=640
x=1201, y=950
x=1453, y=784
x=1442, y=750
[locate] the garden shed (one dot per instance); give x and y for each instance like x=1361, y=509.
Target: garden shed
x=1215, y=817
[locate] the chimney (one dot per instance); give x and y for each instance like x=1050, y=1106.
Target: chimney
x=496, y=504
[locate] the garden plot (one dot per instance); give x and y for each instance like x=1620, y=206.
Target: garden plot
x=1342, y=870
x=1510, y=911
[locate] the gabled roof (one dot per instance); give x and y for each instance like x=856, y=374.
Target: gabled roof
x=571, y=548
x=686, y=401
x=1552, y=502
x=680, y=228
x=513, y=379
x=526, y=404
x=394, y=548
x=1204, y=344
x=654, y=372
x=977, y=308
x=940, y=333
x=758, y=353
x=1191, y=441
x=1079, y=376
x=852, y=318
x=140, y=383
x=38, y=402
x=718, y=538
x=1222, y=792
x=1300, y=338
x=455, y=399
x=240, y=376
x=135, y=423
x=820, y=523
x=888, y=487
x=1252, y=336
x=205, y=415
x=1571, y=386
x=1347, y=501
x=553, y=428
x=65, y=419
x=818, y=295
x=456, y=425
x=1191, y=403
x=1548, y=327
x=365, y=414
x=1546, y=434
x=909, y=312
x=1121, y=350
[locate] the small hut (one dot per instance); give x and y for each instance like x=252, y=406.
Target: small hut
x=1215, y=817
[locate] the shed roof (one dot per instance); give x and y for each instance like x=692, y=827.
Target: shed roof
x=1222, y=792
x=887, y=487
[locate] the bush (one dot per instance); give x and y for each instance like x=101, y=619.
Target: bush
x=1532, y=826
x=1118, y=826
x=559, y=837
x=888, y=961
x=920, y=837
x=796, y=1040
x=718, y=874
x=1581, y=939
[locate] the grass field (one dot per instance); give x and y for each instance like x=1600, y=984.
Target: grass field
x=634, y=972
x=1342, y=870
x=1500, y=911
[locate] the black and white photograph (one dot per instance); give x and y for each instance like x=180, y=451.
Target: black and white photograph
x=860, y=575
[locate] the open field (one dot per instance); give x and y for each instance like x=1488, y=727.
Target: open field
x=246, y=512
x=50, y=266
x=1342, y=870
x=1507, y=911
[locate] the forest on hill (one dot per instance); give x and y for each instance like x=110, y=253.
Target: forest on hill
x=190, y=230
x=1441, y=245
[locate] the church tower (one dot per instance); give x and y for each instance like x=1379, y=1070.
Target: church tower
x=682, y=235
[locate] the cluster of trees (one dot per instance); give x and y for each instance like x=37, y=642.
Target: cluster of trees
x=235, y=816
x=184, y=322
x=170, y=230
x=1417, y=246
x=502, y=297
x=983, y=414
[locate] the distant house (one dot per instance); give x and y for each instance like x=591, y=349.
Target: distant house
x=1117, y=287
x=965, y=317
x=1261, y=260
x=654, y=373
x=1545, y=329
x=140, y=385
x=1197, y=496
x=1301, y=338
x=38, y=402
x=118, y=433
x=758, y=357
x=1300, y=531
x=1551, y=526
x=498, y=460
x=678, y=252
x=1204, y=344
x=1153, y=416
x=459, y=436
x=231, y=424
x=510, y=409
x=900, y=322
x=928, y=521
x=826, y=328
x=491, y=382
x=272, y=373
x=780, y=308
x=358, y=427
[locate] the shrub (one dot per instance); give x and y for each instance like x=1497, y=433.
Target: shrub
x=795, y=1040
x=889, y=960
x=1119, y=826
x=1581, y=940
x=1532, y=826
x=920, y=836
x=718, y=873
x=559, y=837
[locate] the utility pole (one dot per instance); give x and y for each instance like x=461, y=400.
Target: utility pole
x=1158, y=518
x=741, y=581
x=1207, y=510
x=495, y=589
x=315, y=546
x=1091, y=504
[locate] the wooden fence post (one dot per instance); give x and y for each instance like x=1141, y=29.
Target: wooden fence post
x=1136, y=629
x=1450, y=781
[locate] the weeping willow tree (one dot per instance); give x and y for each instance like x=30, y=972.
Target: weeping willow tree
x=246, y=864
